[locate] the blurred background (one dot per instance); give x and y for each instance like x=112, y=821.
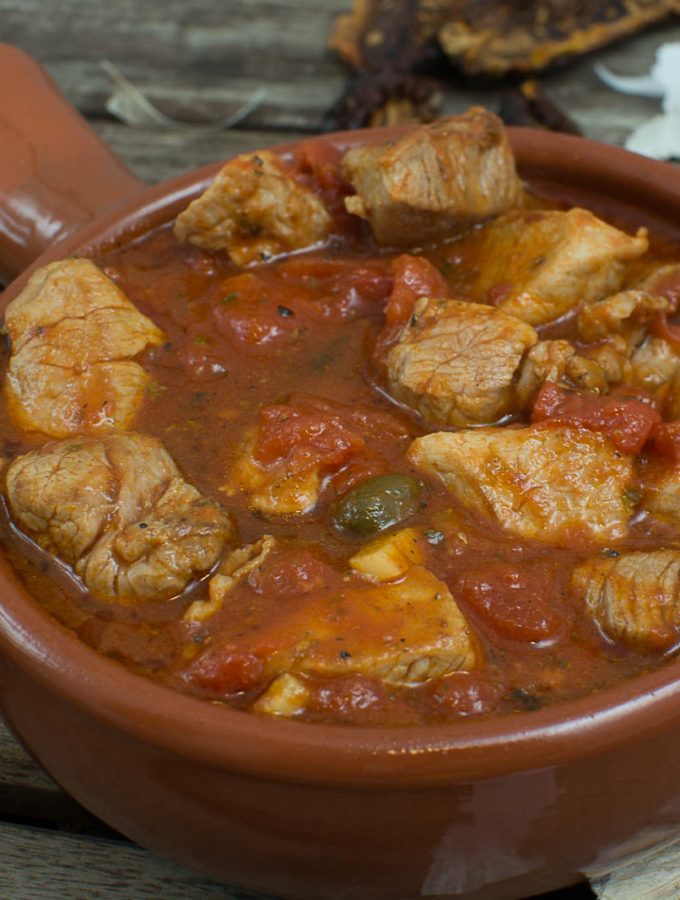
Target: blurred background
x=202, y=61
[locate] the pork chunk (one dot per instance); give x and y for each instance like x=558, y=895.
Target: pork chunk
x=552, y=483
x=661, y=495
x=557, y=361
x=254, y=210
x=435, y=182
x=389, y=556
x=634, y=598
x=654, y=363
x=117, y=511
x=74, y=335
x=233, y=569
x=403, y=632
x=627, y=313
x=537, y=265
x=455, y=361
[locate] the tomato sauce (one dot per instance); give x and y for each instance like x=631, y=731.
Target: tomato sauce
x=287, y=350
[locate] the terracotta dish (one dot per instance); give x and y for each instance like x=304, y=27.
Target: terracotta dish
x=498, y=809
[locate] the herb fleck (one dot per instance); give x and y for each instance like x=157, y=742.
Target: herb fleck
x=524, y=698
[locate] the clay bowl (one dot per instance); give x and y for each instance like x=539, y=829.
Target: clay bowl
x=495, y=809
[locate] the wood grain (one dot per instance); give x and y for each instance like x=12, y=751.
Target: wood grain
x=39, y=864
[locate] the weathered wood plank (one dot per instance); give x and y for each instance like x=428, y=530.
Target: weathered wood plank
x=39, y=864
x=29, y=794
x=157, y=154
x=18, y=768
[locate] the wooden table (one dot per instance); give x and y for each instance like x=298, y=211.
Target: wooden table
x=205, y=58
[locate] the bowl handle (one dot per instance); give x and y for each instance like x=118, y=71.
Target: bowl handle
x=55, y=172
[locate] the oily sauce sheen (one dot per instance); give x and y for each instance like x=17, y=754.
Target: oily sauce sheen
x=305, y=331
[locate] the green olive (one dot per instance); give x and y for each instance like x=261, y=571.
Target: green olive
x=377, y=503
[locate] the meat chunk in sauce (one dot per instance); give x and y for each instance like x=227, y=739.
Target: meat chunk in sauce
x=254, y=209
x=405, y=632
x=389, y=556
x=661, y=494
x=455, y=362
x=436, y=181
x=557, y=362
x=74, y=335
x=627, y=313
x=634, y=597
x=537, y=265
x=118, y=511
x=233, y=569
x=555, y=484
x=654, y=363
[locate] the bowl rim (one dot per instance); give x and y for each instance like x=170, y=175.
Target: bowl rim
x=314, y=753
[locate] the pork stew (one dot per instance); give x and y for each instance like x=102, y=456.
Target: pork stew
x=381, y=438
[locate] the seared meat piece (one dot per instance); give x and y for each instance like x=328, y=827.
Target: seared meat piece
x=436, y=181
x=233, y=569
x=654, y=363
x=537, y=265
x=612, y=356
x=552, y=483
x=389, y=556
x=617, y=327
x=664, y=281
x=287, y=696
x=404, y=632
x=559, y=362
x=627, y=313
x=254, y=210
x=118, y=511
x=73, y=335
x=634, y=598
x=455, y=361
x=661, y=495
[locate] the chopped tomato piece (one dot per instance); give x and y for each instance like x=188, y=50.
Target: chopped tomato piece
x=291, y=573
x=286, y=431
x=414, y=277
x=339, y=290
x=662, y=328
x=349, y=694
x=510, y=597
x=627, y=419
x=356, y=471
x=318, y=164
x=308, y=431
x=667, y=440
x=224, y=669
x=462, y=694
